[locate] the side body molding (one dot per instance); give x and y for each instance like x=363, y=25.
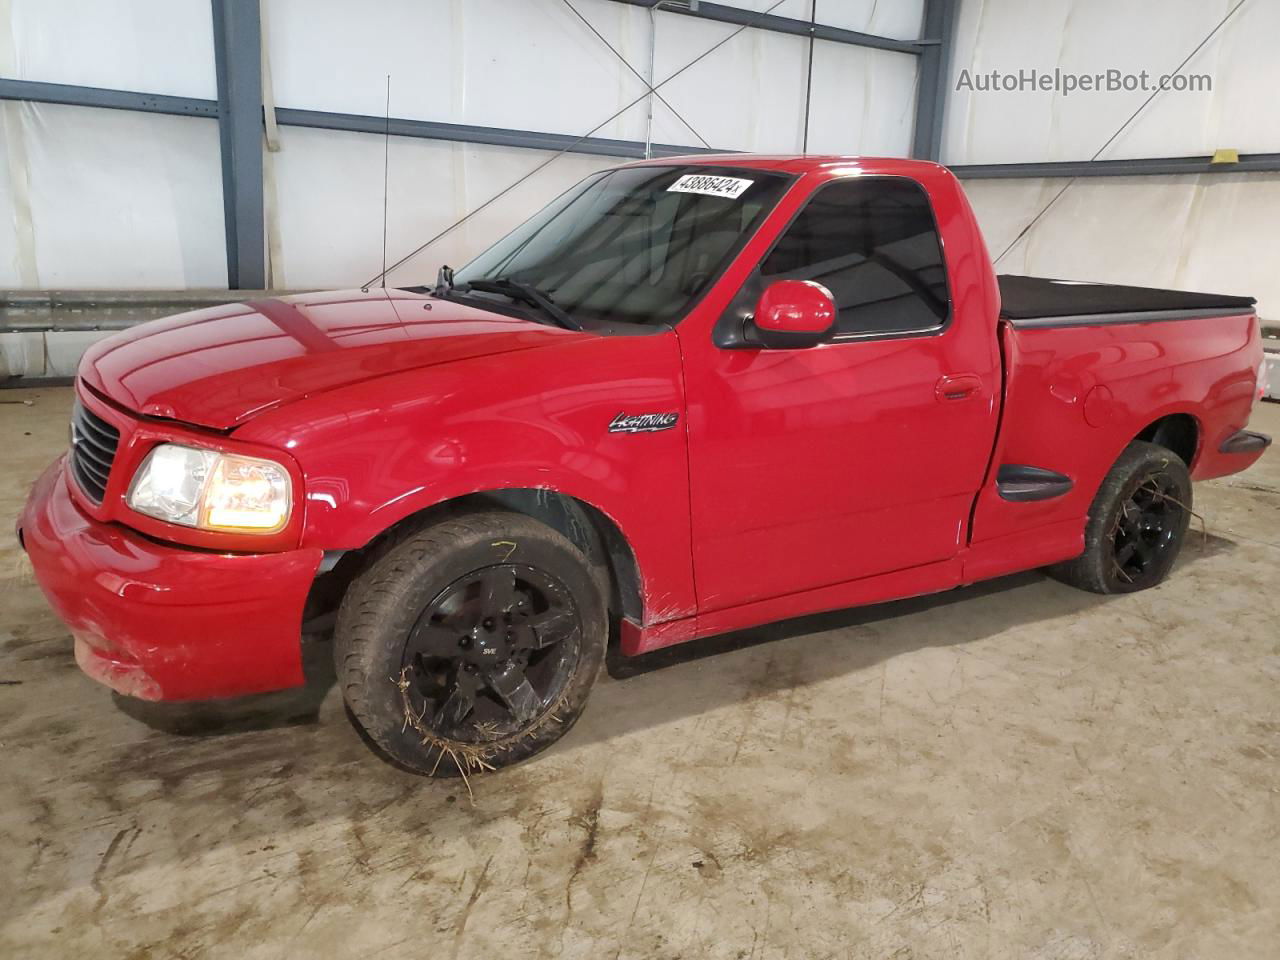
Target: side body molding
x=1018, y=483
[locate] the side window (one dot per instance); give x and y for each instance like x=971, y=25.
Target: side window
x=874, y=244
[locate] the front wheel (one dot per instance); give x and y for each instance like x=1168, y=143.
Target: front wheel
x=1136, y=525
x=472, y=643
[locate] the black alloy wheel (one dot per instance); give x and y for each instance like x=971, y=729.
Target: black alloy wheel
x=1136, y=525
x=1147, y=527
x=492, y=651
x=472, y=642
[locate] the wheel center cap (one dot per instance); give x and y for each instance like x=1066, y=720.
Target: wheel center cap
x=489, y=644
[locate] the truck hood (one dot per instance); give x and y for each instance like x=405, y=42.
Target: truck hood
x=221, y=366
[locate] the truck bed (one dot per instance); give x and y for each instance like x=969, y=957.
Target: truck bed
x=1037, y=301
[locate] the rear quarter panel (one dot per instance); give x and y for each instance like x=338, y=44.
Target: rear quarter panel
x=1075, y=396
x=376, y=452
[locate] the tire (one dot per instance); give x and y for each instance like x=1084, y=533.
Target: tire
x=430, y=638
x=1136, y=525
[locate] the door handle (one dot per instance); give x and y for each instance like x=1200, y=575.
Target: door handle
x=962, y=386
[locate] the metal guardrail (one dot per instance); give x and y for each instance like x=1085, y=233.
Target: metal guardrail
x=35, y=311
x=44, y=333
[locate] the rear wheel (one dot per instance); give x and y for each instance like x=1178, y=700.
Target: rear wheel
x=1137, y=523
x=471, y=644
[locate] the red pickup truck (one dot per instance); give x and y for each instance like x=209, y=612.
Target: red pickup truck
x=689, y=396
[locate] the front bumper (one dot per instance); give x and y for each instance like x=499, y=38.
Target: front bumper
x=162, y=622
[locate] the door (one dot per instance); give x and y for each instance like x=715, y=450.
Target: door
x=857, y=457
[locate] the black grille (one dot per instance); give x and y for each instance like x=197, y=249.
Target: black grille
x=93, y=448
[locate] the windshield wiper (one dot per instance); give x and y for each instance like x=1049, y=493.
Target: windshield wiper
x=524, y=292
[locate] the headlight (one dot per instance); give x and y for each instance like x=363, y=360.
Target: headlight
x=211, y=490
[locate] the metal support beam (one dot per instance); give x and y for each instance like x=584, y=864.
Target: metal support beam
x=237, y=53
x=1156, y=167
x=598, y=146
x=933, y=79
x=350, y=122
x=739, y=17
x=466, y=133
x=73, y=96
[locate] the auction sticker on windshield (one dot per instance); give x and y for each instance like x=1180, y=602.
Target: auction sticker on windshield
x=730, y=187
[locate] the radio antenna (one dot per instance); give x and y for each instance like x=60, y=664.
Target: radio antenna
x=386, y=166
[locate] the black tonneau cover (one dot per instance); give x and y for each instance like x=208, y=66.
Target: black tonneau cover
x=1067, y=301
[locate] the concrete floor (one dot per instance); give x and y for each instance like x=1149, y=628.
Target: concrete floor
x=1016, y=770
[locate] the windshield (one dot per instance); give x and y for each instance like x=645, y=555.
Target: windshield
x=636, y=245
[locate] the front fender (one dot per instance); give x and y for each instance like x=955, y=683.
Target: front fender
x=375, y=453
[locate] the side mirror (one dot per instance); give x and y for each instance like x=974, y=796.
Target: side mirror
x=792, y=315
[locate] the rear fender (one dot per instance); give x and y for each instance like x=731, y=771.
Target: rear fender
x=1077, y=396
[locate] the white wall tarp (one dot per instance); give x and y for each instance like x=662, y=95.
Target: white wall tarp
x=1205, y=233
x=152, y=46
x=1092, y=36
x=525, y=65
x=750, y=93
x=536, y=66
x=109, y=198
x=868, y=101
x=117, y=199
x=339, y=241
x=1209, y=232
x=126, y=200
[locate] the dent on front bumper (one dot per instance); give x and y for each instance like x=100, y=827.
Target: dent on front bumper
x=162, y=622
